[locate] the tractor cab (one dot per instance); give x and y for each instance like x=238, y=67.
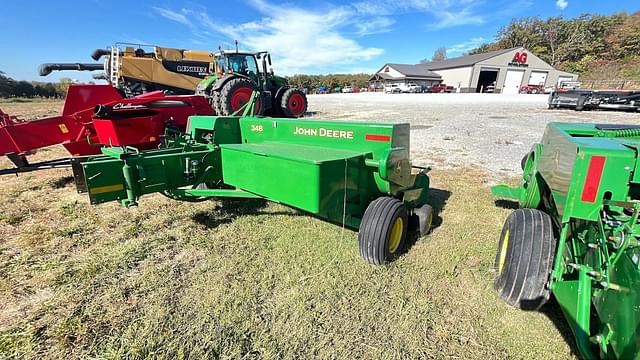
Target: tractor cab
x=238, y=63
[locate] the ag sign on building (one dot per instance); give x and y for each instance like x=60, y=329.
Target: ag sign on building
x=502, y=71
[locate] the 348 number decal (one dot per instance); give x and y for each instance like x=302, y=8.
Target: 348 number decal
x=258, y=128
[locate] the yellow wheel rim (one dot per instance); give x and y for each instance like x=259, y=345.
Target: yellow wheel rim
x=503, y=252
x=396, y=235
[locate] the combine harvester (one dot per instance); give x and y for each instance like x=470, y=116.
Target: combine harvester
x=354, y=174
x=576, y=235
x=96, y=115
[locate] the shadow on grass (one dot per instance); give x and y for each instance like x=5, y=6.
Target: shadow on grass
x=507, y=204
x=552, y=311
x=231, y=209
x=438, y=200
x=61, y=182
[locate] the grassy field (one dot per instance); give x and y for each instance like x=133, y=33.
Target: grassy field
x=248, y=279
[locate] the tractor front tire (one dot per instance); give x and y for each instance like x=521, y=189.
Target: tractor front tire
x=383, y=230
x=293, y=103
x=234, y=95
x=525, y=257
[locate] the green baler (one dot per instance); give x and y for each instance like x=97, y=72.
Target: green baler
x=355, y=174
x=576, y=235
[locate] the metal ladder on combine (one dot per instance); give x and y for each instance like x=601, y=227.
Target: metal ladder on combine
x=115, y=65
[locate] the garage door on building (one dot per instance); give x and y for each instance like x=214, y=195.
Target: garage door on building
x=512, y=81
x=562, y=79
x=538, y=78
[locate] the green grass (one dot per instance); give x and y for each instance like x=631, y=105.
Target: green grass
x=247, y=279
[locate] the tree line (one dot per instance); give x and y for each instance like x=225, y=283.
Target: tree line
x=594, y=46
x=14, y=88
x=330, y=81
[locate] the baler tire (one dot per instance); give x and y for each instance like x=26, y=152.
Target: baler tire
x=285, y=103
x=525, y=257
x=228, y=90
x=424, y=217
x=379, y=225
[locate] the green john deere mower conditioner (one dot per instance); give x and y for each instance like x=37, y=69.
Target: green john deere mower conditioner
x=576, y=235
x=354, y=174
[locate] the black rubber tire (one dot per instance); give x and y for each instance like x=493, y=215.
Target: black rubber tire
x=215, y=102
x=284, y=101
x=222, y=104
x=580, y=103
x=527, y=259
x=375, y=230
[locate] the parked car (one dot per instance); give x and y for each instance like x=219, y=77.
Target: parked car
x=414, y=88
x=442, y=88
x=531, y=89
x=392, y=88
x=347, y=89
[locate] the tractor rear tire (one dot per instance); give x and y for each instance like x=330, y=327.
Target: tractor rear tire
x=215, y=102
x=383, y=230
x=233, y=95
x=293, y=103
x=525, y=257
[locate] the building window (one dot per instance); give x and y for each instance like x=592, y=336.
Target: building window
x=386, y=69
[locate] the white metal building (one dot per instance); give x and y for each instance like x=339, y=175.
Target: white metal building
x=404, y=74
x=499, y=71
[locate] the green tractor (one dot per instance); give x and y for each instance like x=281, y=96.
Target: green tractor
x=236, y=75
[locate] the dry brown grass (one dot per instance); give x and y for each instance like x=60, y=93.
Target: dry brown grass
x=248, y=279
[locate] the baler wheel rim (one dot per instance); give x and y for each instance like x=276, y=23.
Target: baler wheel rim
x=396, y=235
x=503, y=252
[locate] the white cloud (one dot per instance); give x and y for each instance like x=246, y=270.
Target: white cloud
x=172, y=15
x=300, y=40
x=445, y=13
x=562, y=4
x=459, y=49
x=377, y=25
x=464, y=17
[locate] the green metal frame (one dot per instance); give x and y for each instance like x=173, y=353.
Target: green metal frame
x=332, y=169
x=596, y=273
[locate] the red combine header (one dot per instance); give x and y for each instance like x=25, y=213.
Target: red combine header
x=96, y=115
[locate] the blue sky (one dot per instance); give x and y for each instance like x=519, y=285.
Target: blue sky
x=313, y=36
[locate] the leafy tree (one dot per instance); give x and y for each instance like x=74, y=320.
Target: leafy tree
x=440, y=54
x=24, y=89
x=596, y=46
x=6, y=85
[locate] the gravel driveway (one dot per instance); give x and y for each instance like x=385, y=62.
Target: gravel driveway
x=492, y=131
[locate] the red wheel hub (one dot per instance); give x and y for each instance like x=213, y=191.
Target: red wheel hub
x=241, y=97
x=296, y=104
